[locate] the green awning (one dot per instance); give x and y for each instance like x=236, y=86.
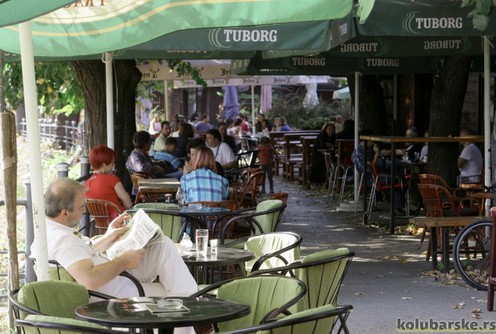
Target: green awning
x=77, y=31
x=16, y=11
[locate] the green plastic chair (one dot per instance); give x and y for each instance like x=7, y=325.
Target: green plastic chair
x=264, y=219
x=272, y=250
x=268, y=297
x=58, y=273
x=43, y=324
x=53, y=298
x=171, y=224
x=322, y=272
x=313, y=321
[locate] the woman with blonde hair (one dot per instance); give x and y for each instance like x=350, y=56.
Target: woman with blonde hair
x=203, y=183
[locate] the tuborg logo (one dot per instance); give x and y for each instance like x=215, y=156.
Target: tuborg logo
x=224, y=38
x=415, y=25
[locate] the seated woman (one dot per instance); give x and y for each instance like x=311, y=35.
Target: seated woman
x=203, y=183
x=104, y=184
x=326, y=139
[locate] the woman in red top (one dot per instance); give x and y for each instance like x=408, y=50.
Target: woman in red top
x=104, y=184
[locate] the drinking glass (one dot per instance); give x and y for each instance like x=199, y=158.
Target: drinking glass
x=201, y=243
x=214, y=244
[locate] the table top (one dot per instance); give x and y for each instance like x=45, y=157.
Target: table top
x=165, y=183
x=133, y=313
x=395, y=139
x=446, y=221
x=224, y=257
x=199, y=211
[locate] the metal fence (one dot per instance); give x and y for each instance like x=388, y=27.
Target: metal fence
x=26, y=271
x=66, y=135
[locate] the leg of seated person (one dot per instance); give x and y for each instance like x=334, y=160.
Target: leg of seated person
x=163, y=259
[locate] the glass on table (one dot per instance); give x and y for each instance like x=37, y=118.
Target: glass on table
x=201, y=243
x=214, y=247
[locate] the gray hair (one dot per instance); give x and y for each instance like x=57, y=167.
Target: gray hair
x=61, y=195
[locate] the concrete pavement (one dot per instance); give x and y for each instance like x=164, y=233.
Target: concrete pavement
x=390, y=284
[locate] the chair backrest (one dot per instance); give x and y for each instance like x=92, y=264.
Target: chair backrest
x=314, y=321
x=437, y=200
x=272, y=250
x=433, y=179
x=322, y=272
x=44, y=324
x=271, y=219
x=251, y=186
x=55, y=298
x=268, y=296
x=103, y=212
x=170, y=224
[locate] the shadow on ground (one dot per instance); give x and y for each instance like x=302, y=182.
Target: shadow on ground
x=389, y=281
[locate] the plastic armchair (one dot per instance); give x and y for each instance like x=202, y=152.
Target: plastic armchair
x=322, y=272
x=382, y=182
x=264, y=219
x=54, y=298
x=44, y=324
x=58, y=273
x=272, y=250
x=268, y=297
x=103, y=212
x=314, y=321
x=173, y=224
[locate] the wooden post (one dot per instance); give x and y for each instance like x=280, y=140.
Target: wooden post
x=8, y=162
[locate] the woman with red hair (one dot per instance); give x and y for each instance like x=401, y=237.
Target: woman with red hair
x=203, y=183
x=104, y=184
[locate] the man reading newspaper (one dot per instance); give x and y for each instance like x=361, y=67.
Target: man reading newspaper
x=86, y=261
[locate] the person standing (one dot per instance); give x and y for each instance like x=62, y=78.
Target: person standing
x=266, y=155
x=470, y=162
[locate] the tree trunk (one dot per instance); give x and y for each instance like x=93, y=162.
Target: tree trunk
x=448, y=94
x=91, y=74
x=373, y=112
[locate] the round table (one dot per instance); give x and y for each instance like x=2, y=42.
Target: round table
x=133, y=313
x=225, y=256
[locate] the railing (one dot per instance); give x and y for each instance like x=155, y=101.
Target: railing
x=67, y=135
x=28, y=271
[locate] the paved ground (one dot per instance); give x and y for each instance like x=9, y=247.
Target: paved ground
x=389, y=279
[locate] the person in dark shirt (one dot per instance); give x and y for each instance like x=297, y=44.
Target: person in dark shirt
x=326, y=139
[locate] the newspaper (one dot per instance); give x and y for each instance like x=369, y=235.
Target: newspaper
x=142, y=232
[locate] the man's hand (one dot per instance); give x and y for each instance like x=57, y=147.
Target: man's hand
x=115, y=229
x=131, y=259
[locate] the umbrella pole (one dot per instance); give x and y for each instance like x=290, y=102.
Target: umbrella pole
x=487, y=119
x=109, y=98
x=33, y=130
x=254, y=129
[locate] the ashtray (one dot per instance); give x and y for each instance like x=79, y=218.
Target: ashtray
x=170, y=303
x=195, y=206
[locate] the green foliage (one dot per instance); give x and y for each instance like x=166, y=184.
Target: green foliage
x=57, y=87
x=289, y=104
x=480, y=14
x=185, y=68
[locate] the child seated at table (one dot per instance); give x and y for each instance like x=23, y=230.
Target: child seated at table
x=168, y=154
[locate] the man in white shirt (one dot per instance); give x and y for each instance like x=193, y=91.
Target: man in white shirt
x=470, y=162
x=84, y=259
x=160, y=140
x=222, y=152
